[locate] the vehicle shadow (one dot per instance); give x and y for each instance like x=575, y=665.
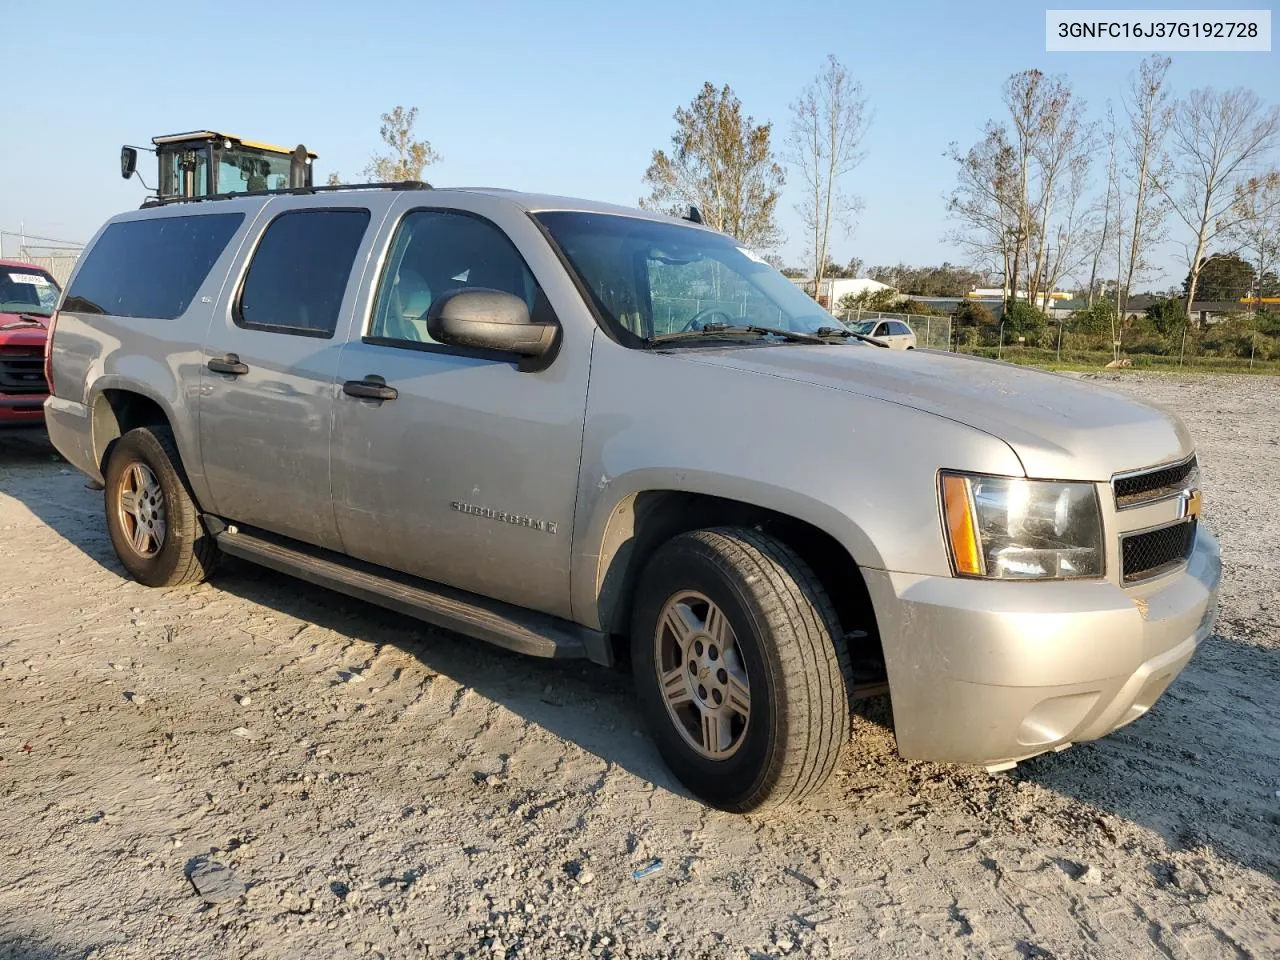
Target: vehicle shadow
x=17, y=946
x=1198, y=769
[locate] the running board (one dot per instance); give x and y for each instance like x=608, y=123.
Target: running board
x=505, y=625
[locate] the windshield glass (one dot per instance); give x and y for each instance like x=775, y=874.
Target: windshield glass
x=864, y=328
x=241, y=169
x=650, y=279
x=27, y=290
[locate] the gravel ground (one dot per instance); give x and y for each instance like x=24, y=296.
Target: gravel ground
x=383, y=789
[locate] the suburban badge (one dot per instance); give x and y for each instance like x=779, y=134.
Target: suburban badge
x=518, y=519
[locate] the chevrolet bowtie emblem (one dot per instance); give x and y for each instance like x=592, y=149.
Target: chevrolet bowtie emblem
x=1189, y=504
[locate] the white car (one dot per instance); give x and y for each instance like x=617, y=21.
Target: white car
x=893, y=332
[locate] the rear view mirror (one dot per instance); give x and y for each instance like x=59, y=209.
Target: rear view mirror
x=128, y=161
x=490, y=320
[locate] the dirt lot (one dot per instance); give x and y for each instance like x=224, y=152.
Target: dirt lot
x=387, y=790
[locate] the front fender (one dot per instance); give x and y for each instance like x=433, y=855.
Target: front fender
x=862, y=470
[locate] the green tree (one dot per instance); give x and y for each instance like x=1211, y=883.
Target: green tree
x=1223, y=276
x=970, y=313
x=1096, y=320
x=1024, y=320
x=945, y=280
x=1167, y=314
x=721, y=162
x=408, y=157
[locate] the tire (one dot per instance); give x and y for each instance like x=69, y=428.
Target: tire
x=781, y=633
x=145, y=484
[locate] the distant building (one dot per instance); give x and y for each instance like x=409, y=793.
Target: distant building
x=835, y=288
x=1046, y=299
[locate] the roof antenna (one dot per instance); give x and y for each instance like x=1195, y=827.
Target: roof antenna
x=694, y=215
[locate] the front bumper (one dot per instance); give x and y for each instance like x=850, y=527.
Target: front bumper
x=992, y=672
x=21, y=408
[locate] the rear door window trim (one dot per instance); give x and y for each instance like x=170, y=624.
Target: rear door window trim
x=237, y=315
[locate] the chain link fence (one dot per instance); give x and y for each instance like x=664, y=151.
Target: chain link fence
x=59, y=267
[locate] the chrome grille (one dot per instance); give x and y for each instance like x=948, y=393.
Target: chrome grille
x=1157, y=483
x=1150, y=553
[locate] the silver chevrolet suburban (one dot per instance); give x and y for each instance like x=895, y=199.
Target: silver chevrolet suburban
x=577, y=430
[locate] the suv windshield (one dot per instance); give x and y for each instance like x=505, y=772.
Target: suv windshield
x=864, y=328
x=27, y=290
x=649, y=279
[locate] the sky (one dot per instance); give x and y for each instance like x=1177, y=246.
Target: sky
x=557, y=96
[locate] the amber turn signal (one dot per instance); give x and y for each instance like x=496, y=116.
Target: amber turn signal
x=961, y=527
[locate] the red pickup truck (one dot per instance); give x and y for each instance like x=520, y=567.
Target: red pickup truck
x=28, y=296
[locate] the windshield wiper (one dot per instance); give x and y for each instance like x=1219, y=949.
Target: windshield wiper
x=26, y=320
x=827, y=332
x=725, y=330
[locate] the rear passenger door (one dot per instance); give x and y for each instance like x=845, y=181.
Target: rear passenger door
x=270, y=365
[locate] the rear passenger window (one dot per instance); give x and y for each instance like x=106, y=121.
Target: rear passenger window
x=150, y=268
x=435, y=253
x=299, y=272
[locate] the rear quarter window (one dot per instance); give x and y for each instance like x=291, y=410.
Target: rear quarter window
x=150, y=268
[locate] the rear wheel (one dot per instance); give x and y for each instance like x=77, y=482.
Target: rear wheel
x=736, y=667
x=153, y=522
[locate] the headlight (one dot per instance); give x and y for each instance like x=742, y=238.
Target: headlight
x=1009, y=529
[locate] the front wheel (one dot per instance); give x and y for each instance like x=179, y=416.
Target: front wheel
x=734, y=653
x=154, y=523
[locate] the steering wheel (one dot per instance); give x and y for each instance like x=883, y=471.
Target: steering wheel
x=700, y=319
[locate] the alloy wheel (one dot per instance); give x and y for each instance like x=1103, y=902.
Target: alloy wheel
x=702, y=676
x=140, y=508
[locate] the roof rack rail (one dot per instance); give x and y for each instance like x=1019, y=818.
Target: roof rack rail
x=291, y=191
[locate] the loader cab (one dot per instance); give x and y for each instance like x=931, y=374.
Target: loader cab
x=205, y=163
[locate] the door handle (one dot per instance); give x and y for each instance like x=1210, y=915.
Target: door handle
x=372, y=387
x=229, y=364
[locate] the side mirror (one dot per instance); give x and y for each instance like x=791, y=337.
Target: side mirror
x=128, y=161
x=491, y=320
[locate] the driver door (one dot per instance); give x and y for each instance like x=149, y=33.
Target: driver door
x=468, y=475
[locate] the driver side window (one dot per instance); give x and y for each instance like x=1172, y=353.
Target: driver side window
x=436, y=252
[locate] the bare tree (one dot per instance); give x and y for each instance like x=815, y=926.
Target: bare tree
x=1142, y=164
x=828, y=123
x=1068, y=236
x=1019, y=190
x=334, y=179
x=1052, y=145
x=985, y=204
x=722, y=163
x=1219, y=137
x=1064, y=158
x=1110, y=202
x=1256, y=228
x=408, y=157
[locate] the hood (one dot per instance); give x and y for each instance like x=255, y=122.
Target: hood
x=14, y=331
x=1060, y=427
